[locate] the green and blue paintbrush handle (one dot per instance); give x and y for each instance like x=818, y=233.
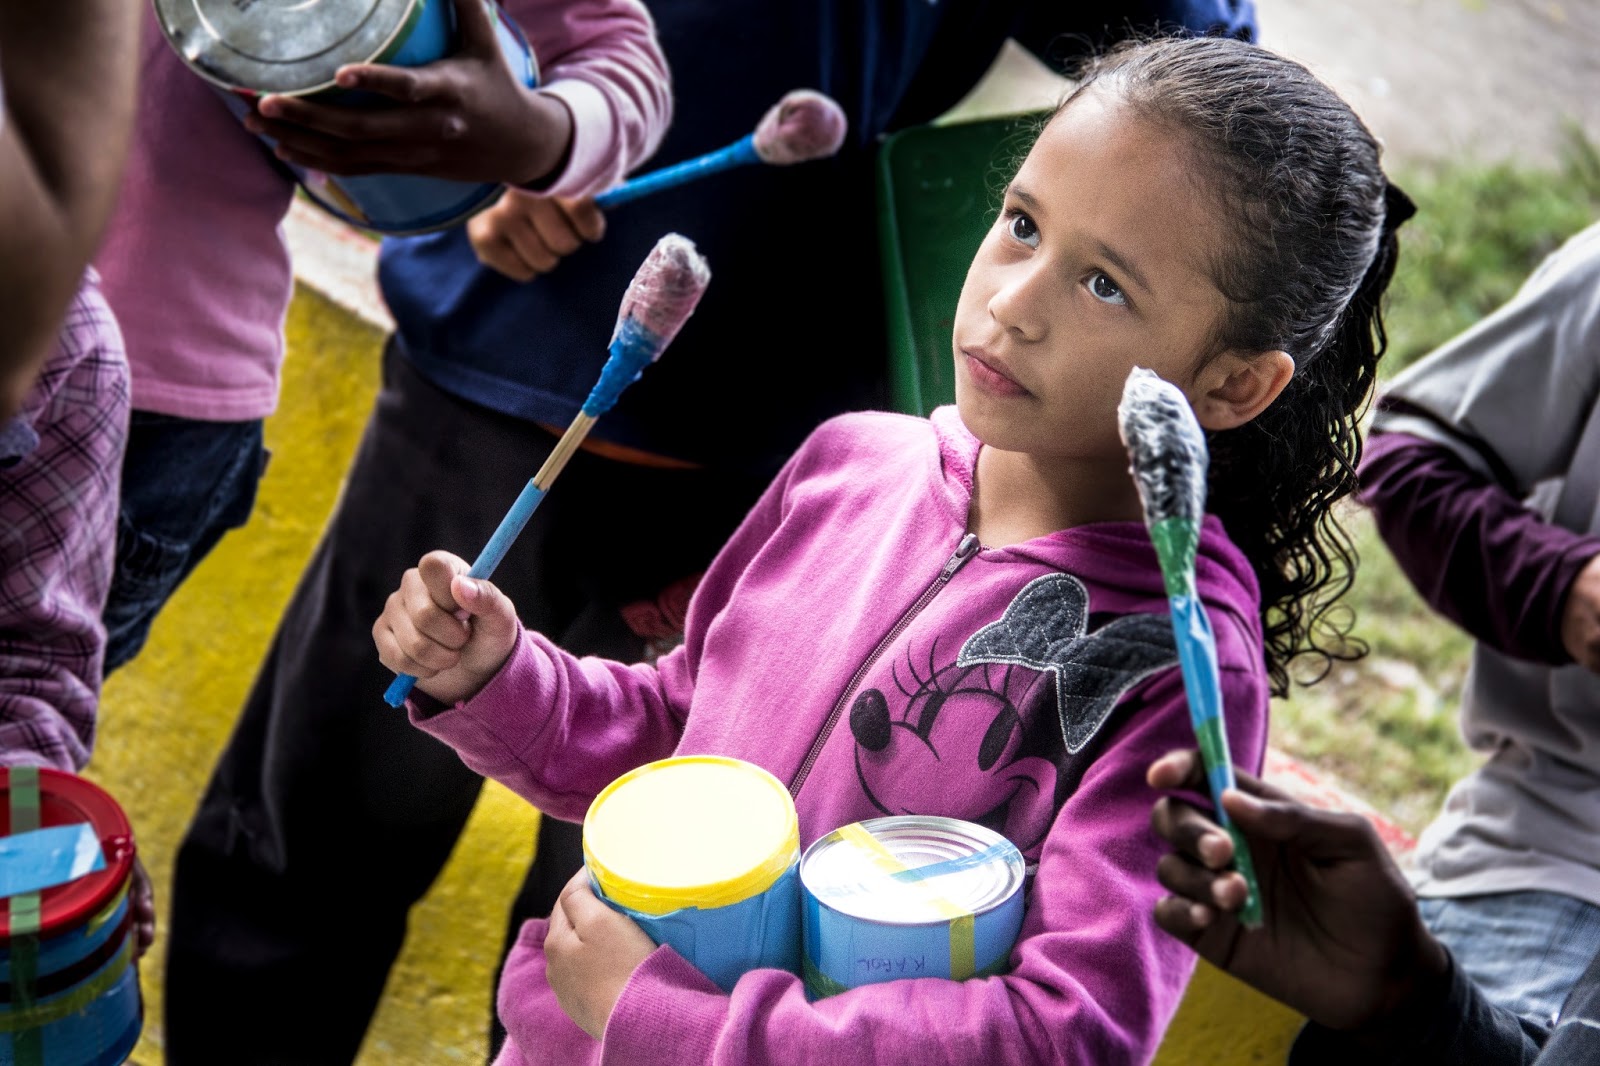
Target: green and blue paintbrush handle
x=1197, y=655
x=1168, y=460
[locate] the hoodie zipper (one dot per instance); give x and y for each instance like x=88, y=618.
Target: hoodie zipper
x=965, y=550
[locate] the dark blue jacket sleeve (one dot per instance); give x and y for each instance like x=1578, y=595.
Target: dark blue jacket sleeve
x=1576, y=1038
x=1463, y=1029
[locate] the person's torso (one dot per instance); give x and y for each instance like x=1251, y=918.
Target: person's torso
x=909, y=670
x=1529, y=818
x=193, y=261
x=795, y=292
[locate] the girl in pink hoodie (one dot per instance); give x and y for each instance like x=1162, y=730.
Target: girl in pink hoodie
x=963, y=615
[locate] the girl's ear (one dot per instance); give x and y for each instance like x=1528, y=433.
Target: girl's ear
x=1236, y=387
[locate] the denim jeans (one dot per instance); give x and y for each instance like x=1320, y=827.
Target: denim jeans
x=1525, y=950
x=184, y=484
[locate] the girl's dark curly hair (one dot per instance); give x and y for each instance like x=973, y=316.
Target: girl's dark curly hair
x=1299, y=174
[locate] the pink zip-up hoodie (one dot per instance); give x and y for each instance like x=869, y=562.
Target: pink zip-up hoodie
x=854, y=640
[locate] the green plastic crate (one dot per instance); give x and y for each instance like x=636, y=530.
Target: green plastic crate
x=939, y=187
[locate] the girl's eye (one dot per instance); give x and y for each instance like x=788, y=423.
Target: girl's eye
x=1106, y=290
x=1022, y=228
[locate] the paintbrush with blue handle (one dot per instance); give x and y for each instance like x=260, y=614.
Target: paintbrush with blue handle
x=659, y=300
x=1168, y=455
x=802, y=126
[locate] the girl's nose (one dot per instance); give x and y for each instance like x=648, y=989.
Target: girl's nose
x=1018, y=304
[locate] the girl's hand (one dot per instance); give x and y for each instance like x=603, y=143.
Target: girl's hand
x=451, y=632
x=524, y=235
x=1342, y=941
x=590, y=952
x=464, y=117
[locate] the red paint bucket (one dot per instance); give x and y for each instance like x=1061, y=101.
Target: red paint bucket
x=69, y=992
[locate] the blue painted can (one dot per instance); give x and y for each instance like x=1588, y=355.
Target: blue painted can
x=253, y=49
x=703, y=852
x=908, y=896
x=69, y=992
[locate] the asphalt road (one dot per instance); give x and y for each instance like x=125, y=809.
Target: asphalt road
x=1450, y=79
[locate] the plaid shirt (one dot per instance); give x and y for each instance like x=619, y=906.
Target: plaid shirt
x=60, y=466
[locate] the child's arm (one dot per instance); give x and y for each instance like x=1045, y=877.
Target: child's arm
x=550, y=726
x=58, y=528
x=67, y=71
x=603, y=104
x=1094, y=981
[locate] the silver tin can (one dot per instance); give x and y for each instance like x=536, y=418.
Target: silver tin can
x=250, y=48
x=908, y=896
x=266, y=46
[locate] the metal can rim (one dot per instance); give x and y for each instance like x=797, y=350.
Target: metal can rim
x=890, y=828
x=663, y=899
x=169, y=12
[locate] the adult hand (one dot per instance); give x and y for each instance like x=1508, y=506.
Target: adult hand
x=142, y=906
x=1342, y=941
x=465, y=117
x=1580, y=618
x=524, y=235
x=590, y=952
x=451, y=632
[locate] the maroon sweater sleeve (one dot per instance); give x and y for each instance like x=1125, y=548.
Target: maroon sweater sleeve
x=1472, y=550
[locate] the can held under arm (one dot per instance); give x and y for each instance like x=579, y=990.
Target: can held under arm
x=253, y=48
x=69, y=991
x=703, y=852
x=908, y=896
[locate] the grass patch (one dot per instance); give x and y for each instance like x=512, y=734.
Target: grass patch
x=1386, y=726
x=1477, y=234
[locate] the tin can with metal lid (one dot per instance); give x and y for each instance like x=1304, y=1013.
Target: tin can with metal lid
x=908, y=896
x=703, y=852
x=250, y=48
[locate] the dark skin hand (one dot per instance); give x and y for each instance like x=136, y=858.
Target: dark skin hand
x=142, y=903
x=465, y=117
x=1342, y=941
x=1580, y=618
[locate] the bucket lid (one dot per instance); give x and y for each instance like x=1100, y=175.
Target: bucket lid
x=690, y=831
x=67, y=799
x=912, y=869
x=282, y=46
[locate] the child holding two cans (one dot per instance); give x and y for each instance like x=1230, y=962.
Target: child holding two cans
x=963, y=616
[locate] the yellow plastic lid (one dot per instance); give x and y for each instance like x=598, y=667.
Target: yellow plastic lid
x=690, y=831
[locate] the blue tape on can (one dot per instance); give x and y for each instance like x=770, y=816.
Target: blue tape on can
x=43, y=858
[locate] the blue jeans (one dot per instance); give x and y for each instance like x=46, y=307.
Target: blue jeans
x=1525, y=950
x=184, y=484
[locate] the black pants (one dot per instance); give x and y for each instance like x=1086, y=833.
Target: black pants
x=328, y=814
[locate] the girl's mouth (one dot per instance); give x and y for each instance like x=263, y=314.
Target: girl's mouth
x=989, y=374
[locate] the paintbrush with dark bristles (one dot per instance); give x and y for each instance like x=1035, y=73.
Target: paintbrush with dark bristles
x=1168, y=456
